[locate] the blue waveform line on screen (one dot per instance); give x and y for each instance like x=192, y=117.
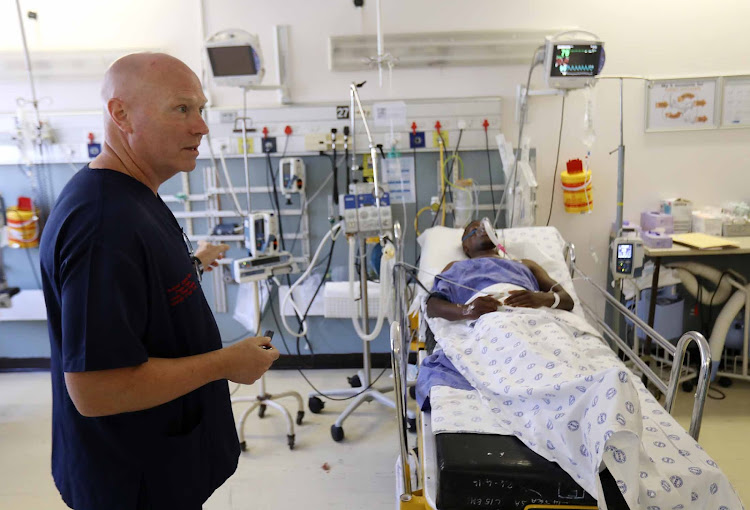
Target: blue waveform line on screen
x=587, y=68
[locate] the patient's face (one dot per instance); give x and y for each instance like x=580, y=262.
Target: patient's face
x=476, y=240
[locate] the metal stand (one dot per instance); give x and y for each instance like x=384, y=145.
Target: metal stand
x=365, y=393
x=4, y=291
x=263, y=399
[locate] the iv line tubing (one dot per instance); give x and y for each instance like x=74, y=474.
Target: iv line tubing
x=511, y=181
x=332, y=234
x=28, y=66
x=385, y=285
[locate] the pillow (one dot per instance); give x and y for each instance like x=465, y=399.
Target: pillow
x=439, y=247
x=442, y=245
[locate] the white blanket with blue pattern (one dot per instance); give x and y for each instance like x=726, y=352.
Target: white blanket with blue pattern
x=546, y=377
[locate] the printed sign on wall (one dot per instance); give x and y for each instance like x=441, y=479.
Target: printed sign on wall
x=681, y=104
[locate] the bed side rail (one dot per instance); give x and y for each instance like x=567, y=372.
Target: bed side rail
x=399, y=358
x=569, y=252
x=676, y=352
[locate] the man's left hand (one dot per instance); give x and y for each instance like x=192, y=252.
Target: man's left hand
x=529, y=299
x=209, y=254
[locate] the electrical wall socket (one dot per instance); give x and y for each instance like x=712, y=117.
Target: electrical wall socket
x=268, y=144
x=436, y=139
x=227, y=117
x=322, y=142
x=222, y=143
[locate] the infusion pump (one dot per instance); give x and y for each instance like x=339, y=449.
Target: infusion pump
x=262, y=242
x=360, y=211
x=627, y=257
x=291, y=175
x=262, y=234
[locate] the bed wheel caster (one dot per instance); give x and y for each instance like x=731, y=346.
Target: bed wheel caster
x=290, y=441
x=354, y=381
x=413, y=392
x=315, y=404
x=300, y=415
x=687, y=386
x=411, y=424
x=262, y=410
x=725, y=382
x=337, y=433
x=243, y=446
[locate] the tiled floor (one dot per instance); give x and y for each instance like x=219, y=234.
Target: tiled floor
x=270, y=475
x=361, y=473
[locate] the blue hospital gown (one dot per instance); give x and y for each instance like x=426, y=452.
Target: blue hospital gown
x=478, y=274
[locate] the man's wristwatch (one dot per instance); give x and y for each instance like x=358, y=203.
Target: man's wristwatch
x=198, y=265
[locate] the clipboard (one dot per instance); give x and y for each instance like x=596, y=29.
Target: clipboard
x=703, y=241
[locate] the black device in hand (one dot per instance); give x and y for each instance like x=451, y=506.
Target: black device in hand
x=269, y=334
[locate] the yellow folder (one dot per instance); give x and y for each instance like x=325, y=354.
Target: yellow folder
x=703, y=241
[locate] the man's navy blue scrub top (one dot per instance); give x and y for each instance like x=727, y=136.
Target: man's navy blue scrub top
x=120, y=287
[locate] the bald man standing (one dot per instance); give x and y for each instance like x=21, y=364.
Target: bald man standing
x=141, y=414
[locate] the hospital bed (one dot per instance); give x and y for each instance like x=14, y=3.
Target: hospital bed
x=487, y=470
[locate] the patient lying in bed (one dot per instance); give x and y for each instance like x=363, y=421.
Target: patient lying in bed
x=531, y=286
x=545, y=376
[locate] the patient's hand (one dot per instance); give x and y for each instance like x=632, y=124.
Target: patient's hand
x=480, y=306
x=529, y=299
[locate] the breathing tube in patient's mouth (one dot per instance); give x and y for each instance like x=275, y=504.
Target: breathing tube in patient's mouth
x=490, y=230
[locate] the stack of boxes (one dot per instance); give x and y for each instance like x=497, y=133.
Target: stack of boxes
x=676, y=216
x=681, y=211
x=657, y=229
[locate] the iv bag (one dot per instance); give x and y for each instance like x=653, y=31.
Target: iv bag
x=589, y=134
x=463, y=198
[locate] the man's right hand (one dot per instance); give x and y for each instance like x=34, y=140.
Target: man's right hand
x=480, y=306
x=249, y=359
x=160, y=380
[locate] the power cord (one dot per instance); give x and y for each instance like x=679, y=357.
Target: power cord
x=718, y=394
x=524, y=107
x=713, y=295
x=445, y=189
x=275, y=203
x=319, y=392
x=33, y=268
x=315, y=294
x=557, y=160
x=416, y=196
x=489, y=170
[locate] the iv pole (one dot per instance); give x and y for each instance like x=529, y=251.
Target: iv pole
x=264, y=399
x=365, y=393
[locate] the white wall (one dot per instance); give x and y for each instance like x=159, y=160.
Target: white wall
x=663, y=38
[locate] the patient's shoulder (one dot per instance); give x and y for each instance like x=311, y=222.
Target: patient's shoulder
x=448, y=266
x=530, y=263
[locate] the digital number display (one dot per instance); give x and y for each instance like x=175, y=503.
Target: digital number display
x=576, y=60
x=265, y=260
x=624, y=251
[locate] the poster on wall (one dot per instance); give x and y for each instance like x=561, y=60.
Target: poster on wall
x=735, y=103
x=685, y=104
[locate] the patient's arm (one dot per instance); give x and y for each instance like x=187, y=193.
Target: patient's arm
x=547, y=285
x=438, y=307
